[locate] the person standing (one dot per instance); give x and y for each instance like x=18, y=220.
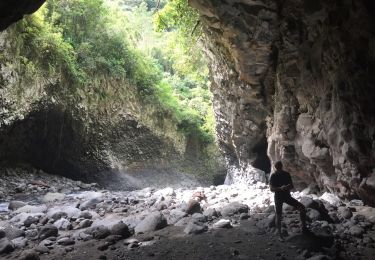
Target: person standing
x=281, y=184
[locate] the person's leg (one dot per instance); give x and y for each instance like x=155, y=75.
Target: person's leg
x=302, y=210
x=279, y=212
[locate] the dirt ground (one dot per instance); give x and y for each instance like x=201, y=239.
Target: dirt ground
x=244, y=241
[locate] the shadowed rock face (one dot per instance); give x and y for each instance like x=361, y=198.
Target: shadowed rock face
x=11, y=11
x=299, y=73
x=302, y=74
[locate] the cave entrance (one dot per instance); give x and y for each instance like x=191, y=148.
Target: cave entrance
x=262, y=160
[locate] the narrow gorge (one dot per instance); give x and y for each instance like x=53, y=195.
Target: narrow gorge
x=124, y=150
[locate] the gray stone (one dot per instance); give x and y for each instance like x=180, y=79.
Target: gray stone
x=13, y=232
x=356, y=231
x=234, y=208
x=175, y=215
x=121, y=229
x=63, y=224
x=84, y=224
x=20, y=242
x=29, y=255
x=100, y=232
x=51, y=197
x=130, y=241
x=6, y=246
x=152, y=222
x=48, y=231
x=313, y=214
x=210, y=213
x=193, y=228
x=85, y=214
x=91, y=203
x=32, y=209
x=222, y=223
x=42, y=249
x=199, y=217
x=58, y=215
x=30, y=220
x=15, y=204
x=345, y=213
x=66, y=241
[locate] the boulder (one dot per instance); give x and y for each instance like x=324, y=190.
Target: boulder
x=210, y=213
x=32, y=209
x=63, y=224
x=234, y=208
x=84, y=224
x=356, y=231
x=345, y=212
x=15, y=204
x=100, y=232
x=29, y=255
x=53, y=196
x=48, y=231
x=175, y=215
x=194, y=228
x=152, y=222
x=331, y=199
x=6, y=246
x=66, y=241
x=20, y=242
x=193, y=206
x=91, y=203
x=120, y=229
x=313, y=214
x=222, y=223
x=199, y=217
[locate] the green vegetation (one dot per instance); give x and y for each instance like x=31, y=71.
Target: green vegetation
x=152, y=45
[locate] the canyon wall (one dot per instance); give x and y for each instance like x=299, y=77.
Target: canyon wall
x=51, y=124
x=301, y=74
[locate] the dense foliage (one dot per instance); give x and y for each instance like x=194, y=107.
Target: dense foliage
x=150, y=44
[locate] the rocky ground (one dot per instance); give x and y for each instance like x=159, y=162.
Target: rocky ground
x=51, y=217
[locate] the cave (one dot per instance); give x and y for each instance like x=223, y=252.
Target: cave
x=262, y=161
x=291, y=81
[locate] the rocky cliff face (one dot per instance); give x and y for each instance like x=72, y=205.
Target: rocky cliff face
x=113, y=142
x=301, y=74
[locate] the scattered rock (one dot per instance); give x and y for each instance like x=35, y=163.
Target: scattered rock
x=331, y=199
x=356, y=231
x=222, y=223
x=66, y=241
x=15, y=204
x=234, y=208
x=345, y=213
x=193, y=228
x=51, y=197
x=63, y=224
x=152, y=222
x=48, y=231
x=120, y=229
x=193, y=206
x=29, y=255
x=100, y=232
x=6, y=246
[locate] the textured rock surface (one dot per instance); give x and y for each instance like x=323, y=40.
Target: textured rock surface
x=301, y=74
x=66, y=133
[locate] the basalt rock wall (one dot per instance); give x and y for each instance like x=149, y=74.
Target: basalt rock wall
x=301, y=74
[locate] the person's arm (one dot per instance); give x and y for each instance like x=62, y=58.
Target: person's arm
x=274, y=189
x=290, y=185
